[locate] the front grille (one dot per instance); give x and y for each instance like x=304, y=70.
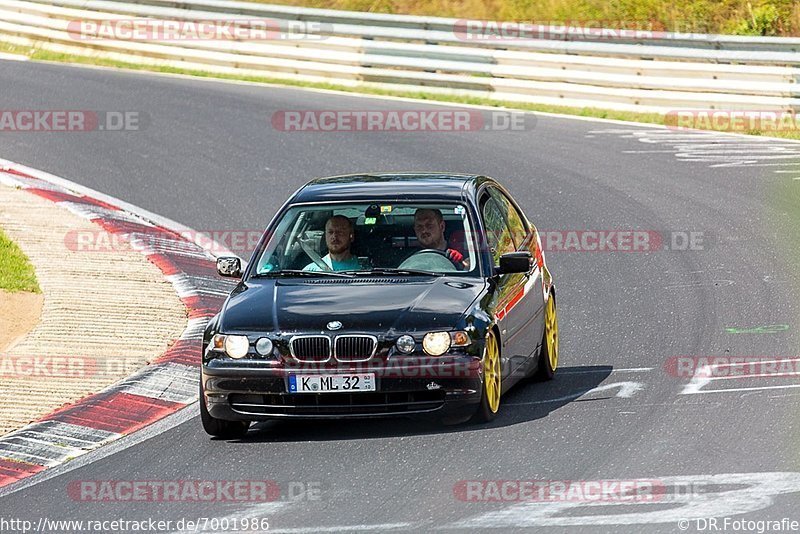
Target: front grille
x=355, y=348
x=311, y=348
x=372, y=403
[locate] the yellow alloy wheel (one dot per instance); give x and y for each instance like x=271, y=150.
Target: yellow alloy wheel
x=551, y=332
x=491, y=372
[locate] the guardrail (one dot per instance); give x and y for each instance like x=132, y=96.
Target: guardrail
x=447, y=25
x=642, y=73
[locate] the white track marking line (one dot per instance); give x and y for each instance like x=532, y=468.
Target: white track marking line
x=626, y=390
x=712, y=148
x=125, y=442
x=704, y=376
x=66, y=434
x=738, y=390
x=195, y=328
x=747, y=493
x=170, y=381
x=187, y=285
x=592, y=371
x=270, y=509
x=13, y=57
x=762, y=375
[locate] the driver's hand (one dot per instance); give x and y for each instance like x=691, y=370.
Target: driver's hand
x=455, y=256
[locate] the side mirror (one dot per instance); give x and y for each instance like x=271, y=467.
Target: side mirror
x=229, y=266
x=515, y=262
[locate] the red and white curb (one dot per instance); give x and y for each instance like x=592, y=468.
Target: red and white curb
x=157, y=390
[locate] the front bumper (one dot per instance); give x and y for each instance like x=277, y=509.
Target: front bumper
x=252, y=391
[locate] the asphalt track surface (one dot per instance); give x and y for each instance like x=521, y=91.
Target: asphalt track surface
x=210, y=159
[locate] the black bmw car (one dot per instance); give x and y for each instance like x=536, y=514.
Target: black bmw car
x=382, y=295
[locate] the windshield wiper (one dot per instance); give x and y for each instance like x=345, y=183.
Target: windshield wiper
x=298, y=272
x=393, y=270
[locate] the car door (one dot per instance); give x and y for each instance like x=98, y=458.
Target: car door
x=532, y=304
x=510, y=291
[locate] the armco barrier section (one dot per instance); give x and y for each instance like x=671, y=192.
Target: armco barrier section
x=659, y=73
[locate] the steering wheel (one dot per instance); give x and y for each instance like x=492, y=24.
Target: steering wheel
x=413, y=261
x=428, y=250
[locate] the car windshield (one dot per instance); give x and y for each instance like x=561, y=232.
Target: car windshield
x=384, y=238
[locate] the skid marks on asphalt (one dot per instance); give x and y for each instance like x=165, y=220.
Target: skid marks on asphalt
x=714, y=149
x=725, y=374
x=582, y=384
x=516, y=504
x=744, y=376
x=671, y=499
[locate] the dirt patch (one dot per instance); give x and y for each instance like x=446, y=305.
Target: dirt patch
x=19, y=313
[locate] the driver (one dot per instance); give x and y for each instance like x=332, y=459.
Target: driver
x=338, y=238
x=429, y=227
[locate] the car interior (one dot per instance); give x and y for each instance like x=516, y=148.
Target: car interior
x=381, y=239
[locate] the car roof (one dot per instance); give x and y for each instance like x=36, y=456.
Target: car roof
x=390, y=187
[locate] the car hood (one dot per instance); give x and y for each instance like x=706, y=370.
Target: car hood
x=281, y=305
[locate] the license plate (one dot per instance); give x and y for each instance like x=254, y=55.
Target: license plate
x=331, y=383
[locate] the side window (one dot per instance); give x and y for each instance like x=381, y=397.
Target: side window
x=515, y=219
x=497, y=233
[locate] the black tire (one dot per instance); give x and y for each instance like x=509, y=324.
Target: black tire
x=219, y=428
x=484, y=414
x=545, y=370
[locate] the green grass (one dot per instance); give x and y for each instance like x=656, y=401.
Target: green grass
x=740, y=17
x=16, y=272
x=651, y=118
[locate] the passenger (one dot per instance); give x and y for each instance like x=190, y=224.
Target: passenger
x=338, y=238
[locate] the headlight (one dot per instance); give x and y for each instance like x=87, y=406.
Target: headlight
x=436, y=343
x=406, y=344
x=264, y=346
x=236, y=346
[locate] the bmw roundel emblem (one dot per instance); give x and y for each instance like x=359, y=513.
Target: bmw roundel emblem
x=334, y=325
